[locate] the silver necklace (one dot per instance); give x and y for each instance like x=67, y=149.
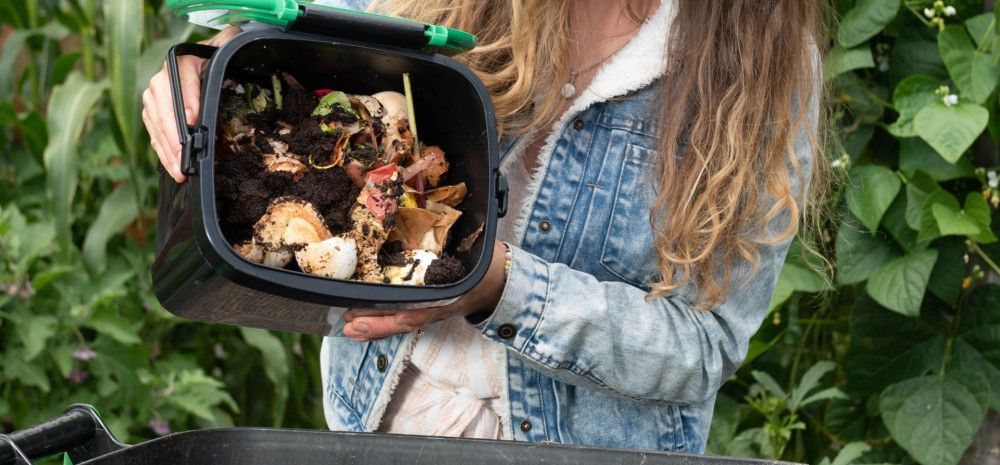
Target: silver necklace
x=569, y=88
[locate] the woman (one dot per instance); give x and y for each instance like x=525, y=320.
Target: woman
x=658, y=154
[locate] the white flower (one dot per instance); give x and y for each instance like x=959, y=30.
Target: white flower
x=883, y=63
x=928, y=12
x=992, y=179
x=949, y=11
x=835, y=163
x=950, y=100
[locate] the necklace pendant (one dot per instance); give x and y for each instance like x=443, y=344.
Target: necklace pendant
x=568, y=90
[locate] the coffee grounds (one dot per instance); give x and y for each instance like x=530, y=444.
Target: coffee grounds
x=308, y=139
x=244, y=189
x=296, y=105
x=444, y=270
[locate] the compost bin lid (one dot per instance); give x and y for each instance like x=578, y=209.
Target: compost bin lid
x=327, y=20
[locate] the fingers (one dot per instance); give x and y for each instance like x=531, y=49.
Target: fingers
x=158, y=107
x=223, y=36
x=158, y=141
x=368, y=328
x=353, y=313
x=189, y=68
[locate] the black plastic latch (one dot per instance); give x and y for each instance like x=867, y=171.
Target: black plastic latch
x=193, y=145
x=503, y=191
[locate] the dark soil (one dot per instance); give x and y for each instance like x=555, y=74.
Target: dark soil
x=444, y=270
x=244, y=188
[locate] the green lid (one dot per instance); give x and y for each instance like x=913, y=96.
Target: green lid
x=283, y=13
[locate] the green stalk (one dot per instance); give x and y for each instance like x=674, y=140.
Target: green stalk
x=945, y=358
x=986, y=258
x=412, y=114
x=87, y=40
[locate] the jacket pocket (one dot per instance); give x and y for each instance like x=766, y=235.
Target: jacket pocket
x=628, y=250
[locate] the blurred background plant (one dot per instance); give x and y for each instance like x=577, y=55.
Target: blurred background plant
x=892, y=359
x=78, y=182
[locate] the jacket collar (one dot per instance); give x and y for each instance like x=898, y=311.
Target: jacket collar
x=635, y=66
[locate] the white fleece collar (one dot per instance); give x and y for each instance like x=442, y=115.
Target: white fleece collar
x=635, y=66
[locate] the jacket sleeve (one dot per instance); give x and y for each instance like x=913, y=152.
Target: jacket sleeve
x=606, y=335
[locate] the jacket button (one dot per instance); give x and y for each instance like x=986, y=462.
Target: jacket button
x=382, y=362
x=578, y=124
x=545, y=226
x=525, y=426
x=506, y=331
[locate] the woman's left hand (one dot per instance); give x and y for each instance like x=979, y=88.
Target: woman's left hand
x=367, y=325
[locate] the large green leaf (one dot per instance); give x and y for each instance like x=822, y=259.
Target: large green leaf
x=894, y=221
x=841, y=60
x=725, y=422
x=35, y=332
x=915, y=154
x=946, y=278
x=867, y=18
x=106, y=320
x=927, y=224
x=978, y=211
x=918, y=187
x=872, y=189
x=117, y=211
x=952, y=222
x=936, y=418
x=886, y=347
x=123, y=26
x=899, y=285
x=977, y=347
x=275, y=367
x=196, y=393
x=13, y=43
x=68, y=108
x=972, y=70
x=860, y=253
x=981, y=29
x=28, y=374
x=914, y=53
x=951, y=130
x=910, y=96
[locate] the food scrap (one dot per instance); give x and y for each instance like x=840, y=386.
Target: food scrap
x=333, y=184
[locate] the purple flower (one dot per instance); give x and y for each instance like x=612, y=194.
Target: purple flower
x=84, y=354
x=78, y=376
x=159, y=426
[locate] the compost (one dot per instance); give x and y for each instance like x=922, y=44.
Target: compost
x=333, y=184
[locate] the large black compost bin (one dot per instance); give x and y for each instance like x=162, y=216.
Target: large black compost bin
x=196, y=273
x=82, y=434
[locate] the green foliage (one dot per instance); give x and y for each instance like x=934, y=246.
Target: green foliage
x=892, y=359
x=908, y=335
x=78, y=318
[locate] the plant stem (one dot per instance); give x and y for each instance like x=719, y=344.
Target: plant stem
x=986, y=258
x=946, y=357
x=87, y=40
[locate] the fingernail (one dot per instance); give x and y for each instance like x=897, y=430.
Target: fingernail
x=189, y=114
x=361, y=327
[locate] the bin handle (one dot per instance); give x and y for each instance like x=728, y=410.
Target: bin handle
x=185, y=132
x=503, y=190
x=74, y=428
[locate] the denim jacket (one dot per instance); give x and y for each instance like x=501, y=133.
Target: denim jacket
x=589, y=359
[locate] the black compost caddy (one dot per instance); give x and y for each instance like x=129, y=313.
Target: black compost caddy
x=197, y=275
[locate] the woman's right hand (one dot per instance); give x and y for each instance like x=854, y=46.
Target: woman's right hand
x=158, y=107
